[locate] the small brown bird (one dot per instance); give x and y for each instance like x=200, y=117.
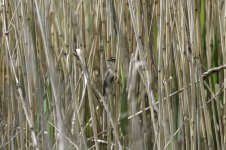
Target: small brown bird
x=109, y=76
x=107, y=86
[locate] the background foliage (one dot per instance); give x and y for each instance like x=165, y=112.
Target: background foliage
x=169, y=91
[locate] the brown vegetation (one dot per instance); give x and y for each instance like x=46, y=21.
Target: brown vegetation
x=169, y=90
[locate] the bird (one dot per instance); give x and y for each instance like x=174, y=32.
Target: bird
x=109, y=78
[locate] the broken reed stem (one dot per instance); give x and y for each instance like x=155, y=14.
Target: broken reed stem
x=213, y=70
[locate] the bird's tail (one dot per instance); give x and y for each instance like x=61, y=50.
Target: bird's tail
x=105, y=117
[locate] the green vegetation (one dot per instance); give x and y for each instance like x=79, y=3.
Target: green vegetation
x=169, y=87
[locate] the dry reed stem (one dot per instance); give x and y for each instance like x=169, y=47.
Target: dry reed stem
x=163, y=99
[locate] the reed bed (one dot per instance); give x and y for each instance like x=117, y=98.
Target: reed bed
x=169, y=88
